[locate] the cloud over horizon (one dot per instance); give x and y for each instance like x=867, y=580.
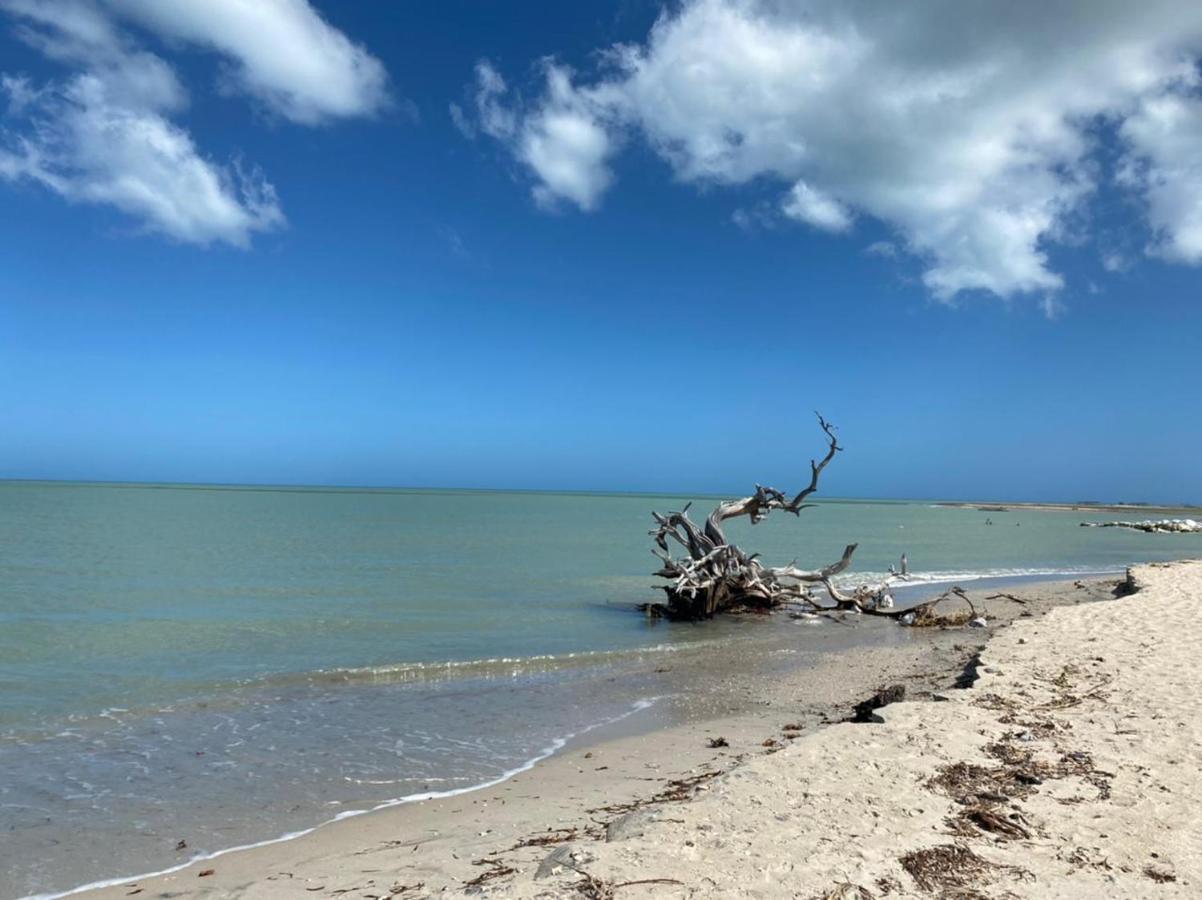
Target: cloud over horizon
x=970, y=130
x=106, y=132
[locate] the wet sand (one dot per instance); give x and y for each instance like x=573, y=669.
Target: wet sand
x=493, y=841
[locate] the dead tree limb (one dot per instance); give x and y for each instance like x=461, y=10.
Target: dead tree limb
x=716, y=576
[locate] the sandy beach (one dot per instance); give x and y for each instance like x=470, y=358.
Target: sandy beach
x=1065, y=769
x=1069, y=769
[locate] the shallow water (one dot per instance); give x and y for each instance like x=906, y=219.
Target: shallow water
x=223, y=666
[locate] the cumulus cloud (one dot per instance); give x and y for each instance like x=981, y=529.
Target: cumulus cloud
x=1165, y=162
x=812, y=206
x=562, y=138
x=89, y=144
x=969, y=128
x=566, y=144
x=106, y=134
x=496, y=119
x=283, y=53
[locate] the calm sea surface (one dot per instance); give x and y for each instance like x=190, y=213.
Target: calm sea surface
x=226, y=665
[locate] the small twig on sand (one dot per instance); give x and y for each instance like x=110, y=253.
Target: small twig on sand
x=594, y=888
x=622, y=884
x=1010, y=597
x=678, y=789
x=552, y=836
x=498, y=870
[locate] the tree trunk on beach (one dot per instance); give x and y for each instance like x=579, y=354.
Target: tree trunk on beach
x=716, y=576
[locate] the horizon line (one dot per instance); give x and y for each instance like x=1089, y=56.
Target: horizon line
x=285, y=487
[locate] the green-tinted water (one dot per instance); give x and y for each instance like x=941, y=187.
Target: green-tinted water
x=129, y=596
x=258, y=657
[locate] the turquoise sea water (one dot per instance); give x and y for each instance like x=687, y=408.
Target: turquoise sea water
x=268, y=658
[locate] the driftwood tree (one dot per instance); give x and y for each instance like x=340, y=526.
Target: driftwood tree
x=716, y=576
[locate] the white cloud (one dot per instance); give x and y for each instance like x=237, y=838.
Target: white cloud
x=812, y=206
x=284, y=53
x=77, y=34
x=20, y=92
x=79, y=25
x=495, y=118
x=105, y=134
x=462, y=121
x=566, y=145
x=755, y=218
x=90, y=145
x=562, y=139
x=1052, y=307
x=1165, y=136
x=966, y=128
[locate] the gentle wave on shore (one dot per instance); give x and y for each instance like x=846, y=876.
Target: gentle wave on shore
x=220, y=666
x=546, y=752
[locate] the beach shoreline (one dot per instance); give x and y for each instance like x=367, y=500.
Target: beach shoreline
x=1068, y=769
x=436, y=842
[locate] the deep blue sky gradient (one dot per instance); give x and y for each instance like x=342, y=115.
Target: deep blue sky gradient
x=420, y=322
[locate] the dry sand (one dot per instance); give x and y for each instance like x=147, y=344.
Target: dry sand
x=1070, y=768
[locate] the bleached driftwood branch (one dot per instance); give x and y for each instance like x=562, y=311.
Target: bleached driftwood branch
x=716, y=576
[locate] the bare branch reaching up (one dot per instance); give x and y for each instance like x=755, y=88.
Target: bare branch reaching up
x=717, y=576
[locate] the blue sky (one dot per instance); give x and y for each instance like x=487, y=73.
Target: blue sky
x=607, y=269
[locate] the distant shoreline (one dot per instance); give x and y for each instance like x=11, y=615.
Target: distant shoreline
x=1071, y=507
